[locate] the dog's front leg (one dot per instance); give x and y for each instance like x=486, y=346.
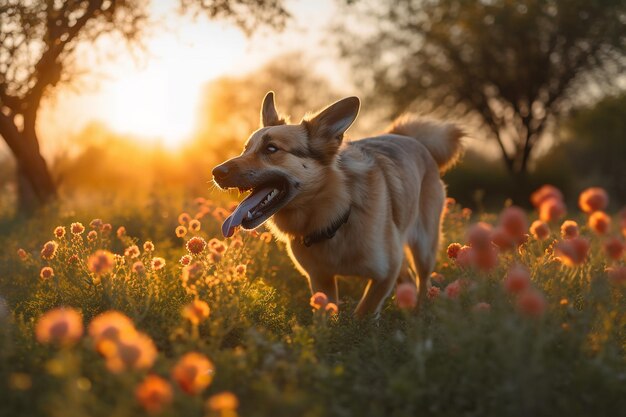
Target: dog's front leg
x=375, y=294
x=326, y=284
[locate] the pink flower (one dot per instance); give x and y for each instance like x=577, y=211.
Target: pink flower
x=433, y=292
x=406, y=296
x=569, y=229
x=331, y=309
x=319, y=300
x=465, y=257
x=453, y=290
x=531, y=303
x=517, y=279
x=540, y=230
x=486, y=259
x=502, y=239
x=514, y=221
x=453, y=250
x=479, y=235
x=544, y=193
x=593, y=199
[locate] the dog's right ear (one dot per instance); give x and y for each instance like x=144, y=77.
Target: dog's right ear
x=269, y=115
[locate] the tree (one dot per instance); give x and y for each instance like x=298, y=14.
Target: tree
x=511, y=65
x=38, y=44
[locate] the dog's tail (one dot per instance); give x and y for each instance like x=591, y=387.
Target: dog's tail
x=443, y=140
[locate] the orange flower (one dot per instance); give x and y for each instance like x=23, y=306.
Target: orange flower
x=600, y=222
x=181, y=231
x=148, y=246
x=101, y=262
x=49, y=249
x=46, y=273
x=131, y=350
x=217, y=245
x=573, y=251
x=406, y=296
x=540, y=230
x=92, y=235
x=59, y=232
x=192, y=274
x=479, y=235
x=21, y=253
x=196, y=245
x=109, y=326
x=223, y=401
x=121, y=232
x=196, y=311
x=194, y=225
x=158, y=263
x=106, y=228
x=193, y=373
x=185, y=260
x=266, y=237
x=132, y=251
x=77, y=228
x=614, y=248
x=551, y=209
x=453, y=250
x=569, y=229
x=544, y=193
x=331, y=309
x=593, y=199
x=154, y=394
x=531, y=303
x=184, y=218
x=61, y=326
x=138, y=267
x=319, y=300
x=517, y=279
x=96, y=223
x=240, y=270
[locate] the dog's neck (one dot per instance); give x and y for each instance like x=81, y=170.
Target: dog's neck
x=324, y=210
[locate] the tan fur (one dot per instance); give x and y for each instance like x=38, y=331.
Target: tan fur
x=391, y=183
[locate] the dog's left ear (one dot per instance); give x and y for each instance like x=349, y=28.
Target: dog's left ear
x=326, y=129
x=269, y=115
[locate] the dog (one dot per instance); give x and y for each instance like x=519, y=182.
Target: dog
x=369, y=208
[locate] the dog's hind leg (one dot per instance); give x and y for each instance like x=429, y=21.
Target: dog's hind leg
x=375, y=294
x=424, y=239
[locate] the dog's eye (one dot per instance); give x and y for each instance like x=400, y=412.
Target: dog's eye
x=271, y=148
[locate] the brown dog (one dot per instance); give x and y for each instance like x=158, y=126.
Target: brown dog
x=368, y=208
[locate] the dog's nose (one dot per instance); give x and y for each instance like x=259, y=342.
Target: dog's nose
x=220, y=172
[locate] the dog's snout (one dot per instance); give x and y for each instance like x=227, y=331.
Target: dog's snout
x=221, y=171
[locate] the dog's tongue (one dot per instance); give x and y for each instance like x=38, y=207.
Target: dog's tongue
x=235, y=219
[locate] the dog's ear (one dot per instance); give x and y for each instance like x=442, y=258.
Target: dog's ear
x=269, y=115
x=326, y=128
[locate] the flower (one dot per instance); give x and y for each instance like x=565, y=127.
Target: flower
x=517, y=279
x=572, y=251
x=196, y=311
x=154, y=393
x=453, y=250
x=196, y=245
x=319, y=300
x=531, y=303
x=49, y=249
x=217, y=245
x=540, y=230
x=599, y=222
x=106, y=228
x=121, y=232
x=158, y=263
x=92, y=235
x=46, y=273
x=406, y=296
x=183, y=218
x=223, y=401
x=240, y=269
x=544, y=193
x=194, y=225
x=569, y=229
x=148, y=246
x=486, y=259
x=101, y=262
x=59, y=232
x=614, y=248
x=61, y=326
x=110, y=325
x=181, y=231
x=479, y=235
x=21, y=253
x=514, y=221
x=433, y=292
x=132, y=251
x=331, y=309
x=551, y=209
x=131, y=350
x=96, y=223
x=185, y=260
x=453, y=290
x=77, y=228
x=193, y=373
x=266, y=237
x=593, y=199
x=138, y=267
x=465, y=257
x=502, y=239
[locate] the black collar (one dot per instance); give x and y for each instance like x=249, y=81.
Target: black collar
x=327, y=233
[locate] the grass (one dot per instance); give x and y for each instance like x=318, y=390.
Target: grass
x=281, y=359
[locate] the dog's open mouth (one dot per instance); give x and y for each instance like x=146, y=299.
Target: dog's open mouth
x=260, y=205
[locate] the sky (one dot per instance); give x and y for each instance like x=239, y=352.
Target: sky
x=154, y=97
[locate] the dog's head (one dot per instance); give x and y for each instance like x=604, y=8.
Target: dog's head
x=282, y=163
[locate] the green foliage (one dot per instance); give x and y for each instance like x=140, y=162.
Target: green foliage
x=281, y=359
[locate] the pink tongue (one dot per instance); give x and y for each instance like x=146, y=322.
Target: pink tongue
x=234, y=220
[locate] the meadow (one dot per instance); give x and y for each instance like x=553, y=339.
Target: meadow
x=142, y=308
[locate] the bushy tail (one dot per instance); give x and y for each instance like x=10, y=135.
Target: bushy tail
x=443, y=140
